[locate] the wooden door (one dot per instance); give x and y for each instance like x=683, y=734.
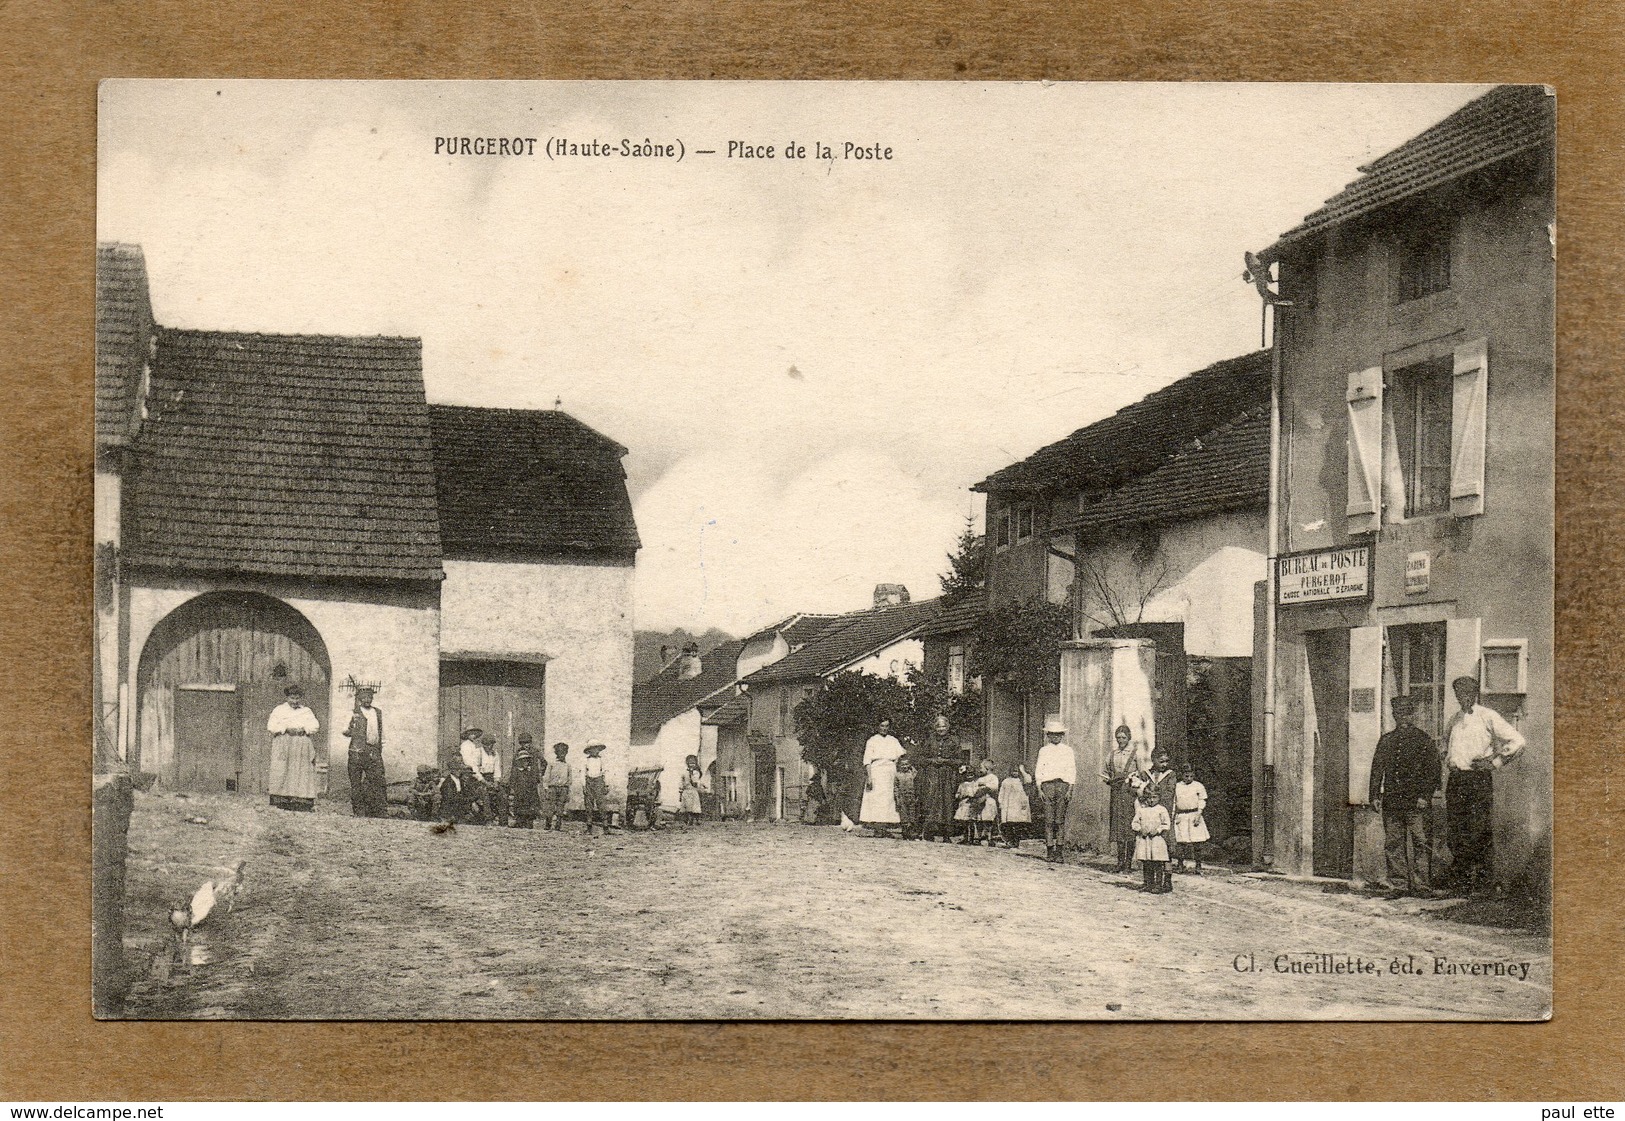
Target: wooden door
x=1334, y=822
x=763, y=772
x=208, y=737
x=503, y=698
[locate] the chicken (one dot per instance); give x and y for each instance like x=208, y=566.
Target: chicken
x=848, y=826
x=213, y=893
x=230, y=889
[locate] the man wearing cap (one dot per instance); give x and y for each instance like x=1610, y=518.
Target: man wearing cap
x=524, y=784
x=1055, y=772
x=1478, y=741
x=595, y=788
x=1404, y=778
x=295, y=774
x=366, y=735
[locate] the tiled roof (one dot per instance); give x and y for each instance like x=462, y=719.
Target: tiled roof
x=1138, y=437
x=736, y=711
x=1227, y=469
x=285, y=455
x=962, y=616
x=849, y=639
x=123, y=335
x=1504, y=122
x=529, y=483
x=668, y=693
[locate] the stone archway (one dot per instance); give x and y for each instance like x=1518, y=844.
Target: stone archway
x=209, y=675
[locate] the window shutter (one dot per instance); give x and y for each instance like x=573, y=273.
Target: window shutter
x=1365, y=708
x=1461, y=658
x=1467, y=411
x=1365, y=450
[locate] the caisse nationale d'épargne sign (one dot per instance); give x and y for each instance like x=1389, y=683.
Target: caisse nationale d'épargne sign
x=1323, y=574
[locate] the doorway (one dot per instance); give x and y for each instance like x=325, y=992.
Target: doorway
x=208, y=737
x=1328, y=653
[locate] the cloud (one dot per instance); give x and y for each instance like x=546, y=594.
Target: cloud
x=735, y=540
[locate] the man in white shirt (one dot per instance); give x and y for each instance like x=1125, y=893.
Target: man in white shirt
x=1055, y=772
x=1478, y=741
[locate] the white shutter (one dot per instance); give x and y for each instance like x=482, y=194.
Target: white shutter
x=1365, y=450
x=1365, y=708
x=1468, y=404
x=1461, y=658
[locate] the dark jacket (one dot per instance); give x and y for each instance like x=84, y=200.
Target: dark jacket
x=1405, y=767
x=524, y=783
x=356, y=733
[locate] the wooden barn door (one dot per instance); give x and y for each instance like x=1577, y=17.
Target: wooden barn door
x=503, y=698
x=242, y=645
x=208, y=737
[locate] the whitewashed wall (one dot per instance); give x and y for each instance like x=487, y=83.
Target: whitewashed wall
x=578, y=617
x=1212, y=565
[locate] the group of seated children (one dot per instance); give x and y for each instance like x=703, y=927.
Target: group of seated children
x=472, y=790
x=994, y=811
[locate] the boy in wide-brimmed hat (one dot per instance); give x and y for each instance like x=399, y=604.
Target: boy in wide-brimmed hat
x=1056, y=772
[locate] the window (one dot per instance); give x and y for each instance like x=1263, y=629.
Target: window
x=1417, y=657
x=784, y=709
x=1001, y=529
x=1422, y=265
x=1024, y=522
x=1419, y=417
x=956, y=669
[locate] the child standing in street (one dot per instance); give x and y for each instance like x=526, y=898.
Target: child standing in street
x=1151, y=846
x=688, y=791
x=987, y=803
x=1190, y=826
x=524, y=785
x=556, y=789
x=907, y=791
x=1015, y=808
x=964, y=804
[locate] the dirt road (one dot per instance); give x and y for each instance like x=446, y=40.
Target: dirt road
x=370, y=919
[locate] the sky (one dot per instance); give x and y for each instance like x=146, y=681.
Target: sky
x=810, y=360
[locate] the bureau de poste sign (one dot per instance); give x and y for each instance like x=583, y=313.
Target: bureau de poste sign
x=1321, y=575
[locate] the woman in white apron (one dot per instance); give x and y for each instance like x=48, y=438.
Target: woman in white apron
x=880, y=755
x=295, y=778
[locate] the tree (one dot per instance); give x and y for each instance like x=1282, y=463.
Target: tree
x=835, y=721
x=967, y=567
x=1018, y=646
x=1116, y=594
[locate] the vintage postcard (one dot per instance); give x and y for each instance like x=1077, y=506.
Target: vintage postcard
x=732, y=550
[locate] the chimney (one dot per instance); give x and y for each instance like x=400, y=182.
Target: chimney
x=890, y=595
x=691, y=662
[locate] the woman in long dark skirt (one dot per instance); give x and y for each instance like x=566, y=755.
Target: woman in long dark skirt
x=1120, y=766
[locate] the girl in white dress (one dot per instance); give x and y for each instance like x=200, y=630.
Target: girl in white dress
x=1151, y=846
x=1190, y=825
x=295, y=777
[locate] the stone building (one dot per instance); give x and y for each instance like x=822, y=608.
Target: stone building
x=279, y=509
x=1415, y=481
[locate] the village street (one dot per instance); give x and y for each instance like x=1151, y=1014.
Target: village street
x=381, y=919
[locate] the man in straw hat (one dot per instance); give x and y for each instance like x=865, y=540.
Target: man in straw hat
x=1055, y=772
x=1404, y=778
